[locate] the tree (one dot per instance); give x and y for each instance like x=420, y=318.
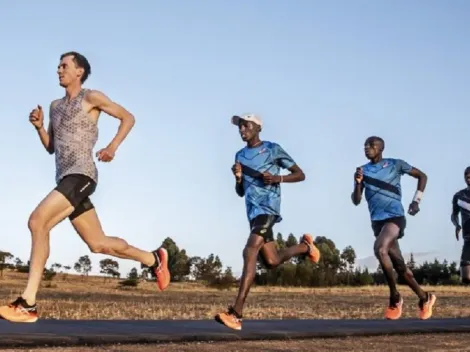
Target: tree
x=330, y=261
x=21, y=267
x=83, y=265
x=132, y=279
x=56, y=267
x=4, y=261
x=145, y=273
x=225, y=281
x=66, y=269
x=348, y=258
x=291, y=242
x=109, y=267
x=133, y=274
x=207, y=269
x=49, y=274
x=179, y=263
x=411, y=263
x=280, y=241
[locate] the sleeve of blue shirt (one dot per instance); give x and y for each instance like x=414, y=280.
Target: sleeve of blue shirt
x=455, y=205
x=402, y=166
x=283, y=159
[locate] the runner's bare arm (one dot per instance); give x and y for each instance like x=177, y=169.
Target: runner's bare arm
x=421, y=176
x=356, y=195
x=101, y=102
x=454, y=217
x=46, y=137
x=296, y=174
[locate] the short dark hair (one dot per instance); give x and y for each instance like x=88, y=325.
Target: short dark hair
x=467, y=170
x=81, y=62
x=377, y=139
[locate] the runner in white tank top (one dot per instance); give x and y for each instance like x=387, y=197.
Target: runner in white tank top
x=71, y=136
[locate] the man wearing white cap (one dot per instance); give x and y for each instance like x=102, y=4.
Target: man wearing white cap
x=257, y=178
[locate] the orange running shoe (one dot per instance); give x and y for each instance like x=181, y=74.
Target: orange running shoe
x=19, y=312
x=394, y=309
x=230, y=319
x=160, y=268
x=425, y=306
x=313, y=252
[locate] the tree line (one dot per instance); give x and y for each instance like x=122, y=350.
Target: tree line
x=336, y=268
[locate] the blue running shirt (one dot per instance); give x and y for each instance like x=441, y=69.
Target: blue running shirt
x=261, y=198
x=383, y=188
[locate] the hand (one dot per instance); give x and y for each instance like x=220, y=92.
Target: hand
x=358, y=175
x=457, y=231
x=237, y=171
x=270, y=179
x=36, y=117
x=414, y=208
x=105, y=154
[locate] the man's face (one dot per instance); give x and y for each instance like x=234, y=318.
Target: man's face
x=248, y=130
x=372, y=148
x=68, y=72
x=467, y=177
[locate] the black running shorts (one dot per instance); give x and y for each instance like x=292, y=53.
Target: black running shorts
x=77, y=189
x=262, y=226
x=400, y=221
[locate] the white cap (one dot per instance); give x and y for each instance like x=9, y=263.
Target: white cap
x=247, y=117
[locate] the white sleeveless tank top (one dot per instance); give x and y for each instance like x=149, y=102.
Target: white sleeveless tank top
x=75, y=136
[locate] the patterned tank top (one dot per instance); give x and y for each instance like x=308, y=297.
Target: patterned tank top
x=75, y=135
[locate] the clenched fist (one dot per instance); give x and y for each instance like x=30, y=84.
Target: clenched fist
x=237, y=171
x=36, y=117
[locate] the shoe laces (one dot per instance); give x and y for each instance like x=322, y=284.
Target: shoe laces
x=235, y=316
x=424, y=302
x=394, y=301
x=21, y=305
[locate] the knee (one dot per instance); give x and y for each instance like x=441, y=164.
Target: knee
x=98, y=248
x=271, y=263
x=381, y=251
x=36, y=224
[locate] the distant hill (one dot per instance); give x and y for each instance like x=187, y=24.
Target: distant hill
x=371, y=262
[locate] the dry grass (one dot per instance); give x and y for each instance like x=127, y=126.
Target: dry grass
x=411, y=343
x=95, y=299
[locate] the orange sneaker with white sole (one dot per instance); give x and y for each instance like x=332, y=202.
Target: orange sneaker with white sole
x=425, y=307
x=160, y=268
x=230, y=319
x=394, y=309
x=19, y=312
x=313, y=252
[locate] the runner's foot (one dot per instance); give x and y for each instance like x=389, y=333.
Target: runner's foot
x=230, y=319
x=19, y=311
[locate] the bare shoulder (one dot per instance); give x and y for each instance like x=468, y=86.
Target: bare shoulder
x=96, y=97
x=54, y=103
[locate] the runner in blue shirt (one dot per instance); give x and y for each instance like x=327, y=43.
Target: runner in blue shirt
x=257, y=178
x=380, y=179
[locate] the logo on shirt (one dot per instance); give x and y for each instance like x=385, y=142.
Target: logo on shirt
x=385, y=164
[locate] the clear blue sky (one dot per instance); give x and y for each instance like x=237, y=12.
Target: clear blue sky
x=323, y=75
